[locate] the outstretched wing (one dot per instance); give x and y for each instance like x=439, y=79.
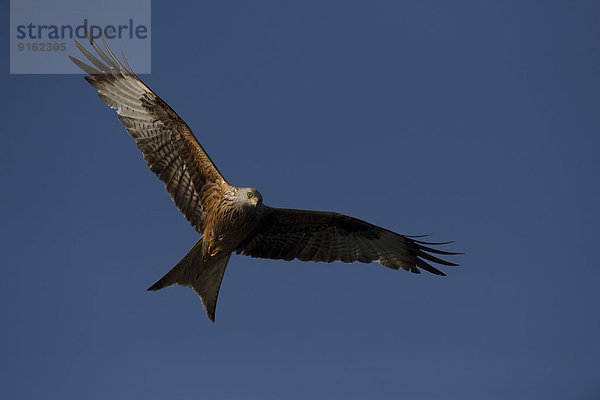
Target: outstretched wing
x=167, y=143
x=284, y=234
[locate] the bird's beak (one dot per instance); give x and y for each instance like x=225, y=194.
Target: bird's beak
x=254, y=200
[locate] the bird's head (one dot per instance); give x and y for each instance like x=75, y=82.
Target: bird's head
x=250, y=196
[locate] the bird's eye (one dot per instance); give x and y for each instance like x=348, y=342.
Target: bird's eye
x=250, y=195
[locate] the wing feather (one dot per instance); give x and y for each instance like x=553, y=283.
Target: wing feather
x=324, y=236
x=168, y=145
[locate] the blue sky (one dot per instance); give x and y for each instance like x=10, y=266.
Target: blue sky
x=472, y=121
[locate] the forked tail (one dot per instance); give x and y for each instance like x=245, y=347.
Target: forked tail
x=204, y=276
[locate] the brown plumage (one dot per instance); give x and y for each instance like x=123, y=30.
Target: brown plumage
x=231, y=218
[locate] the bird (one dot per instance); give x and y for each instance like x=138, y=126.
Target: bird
x=234, y=219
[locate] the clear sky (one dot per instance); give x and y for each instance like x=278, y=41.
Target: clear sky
x=473, y=121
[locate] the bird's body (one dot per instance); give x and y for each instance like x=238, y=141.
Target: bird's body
x=223, y=234
x=233, y=219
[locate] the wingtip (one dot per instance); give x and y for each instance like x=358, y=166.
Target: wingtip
x=434, y=243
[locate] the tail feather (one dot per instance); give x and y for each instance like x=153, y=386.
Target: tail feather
x=204, y=276
x=209, y=282
x=181, y=273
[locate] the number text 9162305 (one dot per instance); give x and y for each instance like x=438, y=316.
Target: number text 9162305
x=42, y=46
